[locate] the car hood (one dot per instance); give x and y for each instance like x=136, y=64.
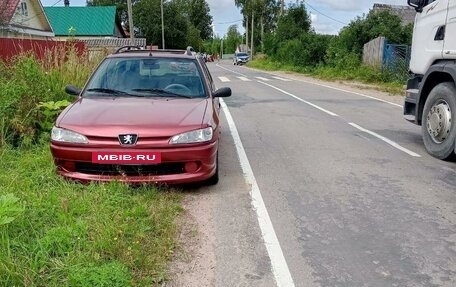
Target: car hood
x=105, y=117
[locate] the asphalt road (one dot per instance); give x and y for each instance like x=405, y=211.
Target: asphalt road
x=352, y=196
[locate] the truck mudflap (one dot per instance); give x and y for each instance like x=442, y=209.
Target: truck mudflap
x=411, y=99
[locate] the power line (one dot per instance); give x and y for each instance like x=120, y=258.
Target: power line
x=230, y=22
x=325, y=15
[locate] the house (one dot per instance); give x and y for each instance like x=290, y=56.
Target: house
x=97, y=26
x=406, y=13
x=92, y=22
x=24, y=19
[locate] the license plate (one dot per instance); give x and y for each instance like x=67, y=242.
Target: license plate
x=126, y=157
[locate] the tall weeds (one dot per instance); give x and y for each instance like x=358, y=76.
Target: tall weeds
x=26, y=83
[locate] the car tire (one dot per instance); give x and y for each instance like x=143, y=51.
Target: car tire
x=214, y=179
x=438, y=125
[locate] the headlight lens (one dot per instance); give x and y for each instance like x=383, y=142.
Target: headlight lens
x=63, y=135
x=198, y=136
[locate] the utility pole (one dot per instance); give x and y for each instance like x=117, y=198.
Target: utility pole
x=130, y=23
x=221, y=50
x=163, y=26
x=282, y=7
x=251, y=42
x=247, y=33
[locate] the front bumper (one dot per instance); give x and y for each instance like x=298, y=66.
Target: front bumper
x=179, y=165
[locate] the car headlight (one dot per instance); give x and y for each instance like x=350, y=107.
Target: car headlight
x=63, y=135
x=197, y=136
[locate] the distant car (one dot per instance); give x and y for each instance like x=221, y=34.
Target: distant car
x=240, y=58
x=144, y=116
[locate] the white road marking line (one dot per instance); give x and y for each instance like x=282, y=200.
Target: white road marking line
x=299, y=99
x=351, y=92
x=279, y=265
x=244, y=79
x=282, y=79
x=237, y=73
x=341, y=90
x=388, y=141
x=224, y=79
x=263, y=79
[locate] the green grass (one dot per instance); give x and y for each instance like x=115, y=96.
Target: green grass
x=366, y=75
x=58, y=233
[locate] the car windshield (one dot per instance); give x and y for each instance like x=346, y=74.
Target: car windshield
x=146, y=77
x=242, y=54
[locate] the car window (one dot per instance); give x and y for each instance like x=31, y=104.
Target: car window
x=209, y=76
x=241, y=54
x=147, y=76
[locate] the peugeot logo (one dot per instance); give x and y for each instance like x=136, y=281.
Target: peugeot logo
x=128, y=139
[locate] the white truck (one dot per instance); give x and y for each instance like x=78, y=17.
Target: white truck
x=431, y=92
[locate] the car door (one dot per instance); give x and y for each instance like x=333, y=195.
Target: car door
x=449, y=49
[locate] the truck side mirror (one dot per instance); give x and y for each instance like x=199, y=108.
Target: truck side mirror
x=417, y=4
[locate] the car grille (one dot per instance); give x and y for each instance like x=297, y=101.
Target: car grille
x=130, y=170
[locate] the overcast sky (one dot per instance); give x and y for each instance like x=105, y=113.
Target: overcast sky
x=328, y=16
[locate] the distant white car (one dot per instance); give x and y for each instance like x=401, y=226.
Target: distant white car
x=240, y=58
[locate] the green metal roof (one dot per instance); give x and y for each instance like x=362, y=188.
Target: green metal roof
x=82, y=21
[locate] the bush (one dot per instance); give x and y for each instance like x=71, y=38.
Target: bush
x=309, y=50
x=25, y=84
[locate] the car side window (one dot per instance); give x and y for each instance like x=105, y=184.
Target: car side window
x=208, y=75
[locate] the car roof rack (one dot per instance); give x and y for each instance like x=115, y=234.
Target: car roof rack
x=190, y=51
x=128, y=48
x=173, y=51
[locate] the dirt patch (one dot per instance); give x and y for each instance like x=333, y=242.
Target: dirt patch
x=194, y=261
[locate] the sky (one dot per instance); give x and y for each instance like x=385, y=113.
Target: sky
x=328, y=16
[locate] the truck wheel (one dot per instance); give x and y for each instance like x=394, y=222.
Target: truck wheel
x=438, y=122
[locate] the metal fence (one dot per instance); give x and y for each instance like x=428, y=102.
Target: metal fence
x=10, y=47
x=396, y=60
x=393, y=59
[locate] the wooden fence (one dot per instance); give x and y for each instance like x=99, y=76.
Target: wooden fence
x=373, y=52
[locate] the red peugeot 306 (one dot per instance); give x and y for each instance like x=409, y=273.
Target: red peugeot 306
x=143, y=116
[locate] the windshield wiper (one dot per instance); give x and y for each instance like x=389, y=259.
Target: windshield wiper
x=162, y=92
x=109, y=91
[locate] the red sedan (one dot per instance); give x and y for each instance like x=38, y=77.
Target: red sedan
x=143, y=117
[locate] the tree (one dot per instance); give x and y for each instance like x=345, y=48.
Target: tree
x=200, y=17
x=295, y=22
x=265, y=14
x=186, y=21
x=121, y=7
x=377, y=23
x=233, y=39
x=148, y=19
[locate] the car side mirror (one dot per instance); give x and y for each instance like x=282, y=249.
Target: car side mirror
x=72, y=90
x=417, y=4
x=222, y=93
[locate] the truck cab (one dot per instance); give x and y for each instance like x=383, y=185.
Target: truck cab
x=431, y=91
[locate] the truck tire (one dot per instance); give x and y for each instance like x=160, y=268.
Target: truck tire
x=439, y=121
